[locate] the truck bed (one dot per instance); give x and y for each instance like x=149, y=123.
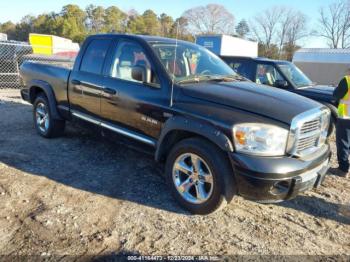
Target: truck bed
x=55, y=76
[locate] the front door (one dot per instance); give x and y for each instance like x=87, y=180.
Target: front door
x=267, y=74
x=129, y=103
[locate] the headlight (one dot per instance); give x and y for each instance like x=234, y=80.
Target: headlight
x=260, y=139
x=325, y=121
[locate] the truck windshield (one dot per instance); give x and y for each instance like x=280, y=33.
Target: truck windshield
x=295, y=75
x=187, y=62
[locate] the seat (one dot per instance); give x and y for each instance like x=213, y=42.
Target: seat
x=125, y=64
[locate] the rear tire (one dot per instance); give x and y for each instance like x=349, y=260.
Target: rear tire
x=201, y=188
x=44, y=124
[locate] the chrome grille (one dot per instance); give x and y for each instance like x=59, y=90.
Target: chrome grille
x=307, y=134
x=311, y=126
x=308, y=142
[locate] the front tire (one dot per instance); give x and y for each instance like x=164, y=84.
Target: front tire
x=199, y=176
x=333, y=121
x=44, y=124
x=332, y=126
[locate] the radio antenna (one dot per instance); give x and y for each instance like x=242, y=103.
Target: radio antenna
x=174, y=65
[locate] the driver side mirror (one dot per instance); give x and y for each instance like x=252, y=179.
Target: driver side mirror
x=281, y=84
x=141, y=73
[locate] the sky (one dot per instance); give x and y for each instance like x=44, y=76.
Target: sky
x=15, y=10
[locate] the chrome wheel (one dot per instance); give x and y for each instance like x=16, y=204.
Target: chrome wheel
x=42, y=117
x=192, y=178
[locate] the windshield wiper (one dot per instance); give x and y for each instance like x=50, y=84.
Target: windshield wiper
x=188, y=80
x=227, y=78
x=216, y=78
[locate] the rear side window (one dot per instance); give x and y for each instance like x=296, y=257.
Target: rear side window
x=94, y=56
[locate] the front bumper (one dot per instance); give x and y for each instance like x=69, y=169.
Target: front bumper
x=275, y=179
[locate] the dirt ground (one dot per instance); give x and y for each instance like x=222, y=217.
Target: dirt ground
x=84, y=195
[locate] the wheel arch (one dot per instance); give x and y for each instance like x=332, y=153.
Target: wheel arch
x=179, y=128
x=334, y=116
x=38, y=86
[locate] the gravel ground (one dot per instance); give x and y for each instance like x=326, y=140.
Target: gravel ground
x=83, y=195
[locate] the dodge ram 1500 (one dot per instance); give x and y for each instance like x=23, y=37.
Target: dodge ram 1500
x=218, y=134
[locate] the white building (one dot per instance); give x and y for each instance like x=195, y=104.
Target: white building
x=323, y=65
x=3, y=37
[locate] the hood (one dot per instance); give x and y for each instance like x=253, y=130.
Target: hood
x=318, y=89
x=258, y=99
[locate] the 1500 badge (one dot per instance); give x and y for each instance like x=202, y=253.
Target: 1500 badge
x=149, y=120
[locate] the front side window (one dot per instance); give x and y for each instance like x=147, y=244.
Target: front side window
x=128, y=55
x=267, y=75
x=94, y=56
x=295, y=75
x=186, y=61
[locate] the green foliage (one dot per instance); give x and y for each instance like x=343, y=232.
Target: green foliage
x=242, y=29
x=166, y=23
x=271, y=52
x=75, y=23
x=9, y=28
x=151, y=22
x=115, y=20
x=288, y=51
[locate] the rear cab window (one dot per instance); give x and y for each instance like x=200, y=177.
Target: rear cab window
x=241, y=67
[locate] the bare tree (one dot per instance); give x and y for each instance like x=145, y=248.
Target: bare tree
x=210, y=19
x=297, y=28
x=283, y=26
x=293, y=27
x=278, y=28
x=265, y=25
x=335, y=24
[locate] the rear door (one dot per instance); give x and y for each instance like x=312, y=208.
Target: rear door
x=86, y=83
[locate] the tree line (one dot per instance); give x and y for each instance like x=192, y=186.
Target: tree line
x=278, y=29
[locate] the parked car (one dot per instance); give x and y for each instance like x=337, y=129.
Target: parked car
x=218, y=134
x=284, y=75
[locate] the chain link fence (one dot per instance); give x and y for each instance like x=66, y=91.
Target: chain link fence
x=14, y=54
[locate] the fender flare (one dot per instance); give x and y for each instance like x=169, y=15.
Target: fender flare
x=47, y=89
x=180, y=123
x=333, y=108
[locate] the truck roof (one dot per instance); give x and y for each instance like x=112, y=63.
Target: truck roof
x=147, y=38
x=261, y=59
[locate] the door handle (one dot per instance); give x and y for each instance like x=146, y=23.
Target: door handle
x=109, y=91
x=76, y=82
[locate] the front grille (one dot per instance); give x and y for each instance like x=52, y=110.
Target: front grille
x=311, y=126
x=308, y=142
x=309, y=135
x=306, y=134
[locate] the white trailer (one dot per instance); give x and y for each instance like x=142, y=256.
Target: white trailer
x=225, y=45
x=3, y=37
x=323, y=65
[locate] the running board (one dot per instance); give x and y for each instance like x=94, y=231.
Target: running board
x=116, y=129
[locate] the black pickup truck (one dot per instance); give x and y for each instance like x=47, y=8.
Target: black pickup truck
x=284, y=75
x=218, y=134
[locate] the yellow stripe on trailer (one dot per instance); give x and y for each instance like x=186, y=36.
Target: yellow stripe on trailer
x=41, y=44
